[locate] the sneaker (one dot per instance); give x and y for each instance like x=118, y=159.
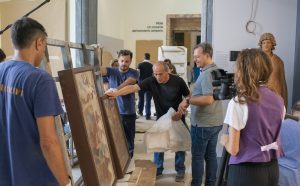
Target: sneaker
x=148, y=118
x=179, y=177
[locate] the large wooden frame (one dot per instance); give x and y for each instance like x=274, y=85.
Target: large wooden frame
x=116, y=135
x=87, y=126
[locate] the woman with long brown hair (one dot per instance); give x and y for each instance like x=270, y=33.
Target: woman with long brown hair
x=254, y=117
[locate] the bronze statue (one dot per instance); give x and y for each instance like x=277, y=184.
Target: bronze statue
x=277, y=80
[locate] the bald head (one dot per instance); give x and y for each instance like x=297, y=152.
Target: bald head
x=162, y=65
x=161, y=72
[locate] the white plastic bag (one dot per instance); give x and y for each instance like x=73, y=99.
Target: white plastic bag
x=157, y=138
x=180, y=138
x=167, y=134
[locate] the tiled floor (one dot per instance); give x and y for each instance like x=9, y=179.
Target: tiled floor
x=168, y=178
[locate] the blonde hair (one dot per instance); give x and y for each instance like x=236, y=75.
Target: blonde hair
x=253, y=67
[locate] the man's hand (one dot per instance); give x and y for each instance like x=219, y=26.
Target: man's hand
x=177, y=116
x=183, y=106
x=112, y=92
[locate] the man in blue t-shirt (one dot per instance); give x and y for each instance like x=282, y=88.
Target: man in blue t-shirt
x=118, y=78
x=30, y=152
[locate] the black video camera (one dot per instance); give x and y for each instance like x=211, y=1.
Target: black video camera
x=224, y=83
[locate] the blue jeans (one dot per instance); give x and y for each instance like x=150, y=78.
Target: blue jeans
x=129, y=128
x=204, y=142
x=179, y=161
x=142, y=94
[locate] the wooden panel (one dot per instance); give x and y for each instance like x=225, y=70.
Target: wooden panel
x=150, y=46
x=87, y=126
x=148, y=175
x=116, y=135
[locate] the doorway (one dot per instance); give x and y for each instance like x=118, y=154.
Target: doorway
x=184, y=30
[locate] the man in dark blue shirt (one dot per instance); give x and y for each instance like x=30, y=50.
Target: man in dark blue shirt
x=118, y=78
x=145, y=69
x=30, y=151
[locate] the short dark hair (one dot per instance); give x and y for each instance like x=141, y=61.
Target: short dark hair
x=2, y=55
x=125, y=53
x=206, y=47
x=147, y=56
x=24, y=31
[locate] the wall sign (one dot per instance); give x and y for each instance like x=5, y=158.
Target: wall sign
x=158, y=26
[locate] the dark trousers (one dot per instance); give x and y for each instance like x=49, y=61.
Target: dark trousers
x=204, y=143
x=142, y=95
x=250, y=174
x=129, y=128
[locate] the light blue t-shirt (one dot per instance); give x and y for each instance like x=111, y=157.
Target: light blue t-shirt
x=26, y=93
x=126, y=103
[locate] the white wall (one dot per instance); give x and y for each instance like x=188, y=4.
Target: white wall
x=117, y=18
x=111, y=18
x=275, y=16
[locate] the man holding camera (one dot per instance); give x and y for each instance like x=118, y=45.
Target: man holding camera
x=206, y=118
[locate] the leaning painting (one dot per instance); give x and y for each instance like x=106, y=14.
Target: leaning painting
x=87, y=127
x=116, y=135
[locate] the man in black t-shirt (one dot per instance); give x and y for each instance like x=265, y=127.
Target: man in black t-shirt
x=145, y=70
x=168, y=91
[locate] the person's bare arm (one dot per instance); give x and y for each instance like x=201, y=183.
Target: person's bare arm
x=103, y=71
x=124, y=91
x=129, y=81
x=201, y=100
x=184, y=104
x=231, y=142
x=52, y=149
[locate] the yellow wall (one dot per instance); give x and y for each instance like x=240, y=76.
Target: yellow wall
x=52, y=16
